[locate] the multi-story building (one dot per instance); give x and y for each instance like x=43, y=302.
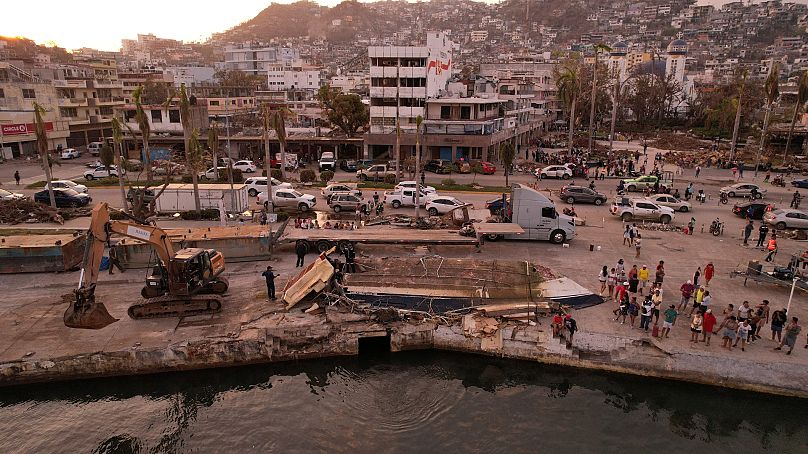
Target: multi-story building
x=132, y=80
x=258, y=59
x=402, y=78
x=294, y=77
x=352, y=82
x=19, y=90
x=191, y=75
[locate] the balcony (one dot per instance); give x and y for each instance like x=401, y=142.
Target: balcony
x=73, y=102
x=70, y=83
x=110, y=101
x=467, y=127
x=107, y=84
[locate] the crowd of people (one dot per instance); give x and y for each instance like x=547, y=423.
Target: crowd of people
x=309, y=223
x=641, y=302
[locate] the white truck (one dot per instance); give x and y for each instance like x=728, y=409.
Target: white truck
x=376, y=172
x=328, y=161
x=536, y=215
x=180, y=197
x=405, y=197
x=629, y=210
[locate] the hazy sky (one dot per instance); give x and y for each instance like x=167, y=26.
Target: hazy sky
x=102, y=24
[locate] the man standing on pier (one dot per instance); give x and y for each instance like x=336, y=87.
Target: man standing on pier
x=270, y=276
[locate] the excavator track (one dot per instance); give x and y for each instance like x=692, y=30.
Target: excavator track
x=176, y=306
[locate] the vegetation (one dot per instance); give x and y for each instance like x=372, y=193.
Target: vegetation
x=326, y=176
x=193, y=151
x=344, y=111
x=107, y=157
x=802, y=98
x=307, y=176
x=507, y=153
x=42, y=148
x=568, y=84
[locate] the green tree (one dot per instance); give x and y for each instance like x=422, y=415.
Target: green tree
x=42, y=148
x=145, y=129
x=107, y=156
x=185, y=119
x=507, y=153
x=345, y=111
x=568, y=84
x=802, y=98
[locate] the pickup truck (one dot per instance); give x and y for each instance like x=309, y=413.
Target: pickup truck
x=377, y=172
x=405, y=197
x=638, y=184
x=641, y=209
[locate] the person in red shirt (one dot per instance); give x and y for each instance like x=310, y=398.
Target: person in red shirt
x=707, y=327
x=709, y=271
x=558, y=321
x=620, y=293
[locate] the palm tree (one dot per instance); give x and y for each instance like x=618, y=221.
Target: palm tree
x=737, y=126
x=278, y=123
x=772, y=90
x=117, y=139
x=266, y=123
x=506, y=155
x=213, y=145
x=802, y=98
x=42, y=147
x=598, y=49
x=567, y=83
x=185, y=119
x=145, y=129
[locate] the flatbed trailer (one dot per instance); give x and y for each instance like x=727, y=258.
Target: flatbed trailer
x=767, y=277
x=321, y=240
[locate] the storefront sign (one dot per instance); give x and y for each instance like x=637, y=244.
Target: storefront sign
x=23, y=128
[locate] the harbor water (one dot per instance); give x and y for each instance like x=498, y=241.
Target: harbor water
x=404, y=402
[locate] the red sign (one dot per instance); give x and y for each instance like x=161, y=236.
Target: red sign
x=23, y=128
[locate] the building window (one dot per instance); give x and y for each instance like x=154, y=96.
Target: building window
x=68, y=112
x=445, y=112
x=173, y=116
x=156, y=116
x=106, y=110
x=2, y=94
x=129, y=115
x=28, y=93
x=214, y=103
x=465, y=112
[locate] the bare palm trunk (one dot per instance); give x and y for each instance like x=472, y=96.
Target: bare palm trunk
x=147, y=155
x=614, y=112
x=763, y=136
x=736, y=127
x=592, y=108
x=119, y=167
x=283, y=157
x=572, y=125
x=791, y=131
x=417, y=169
x=192, y=168
x=49, y=177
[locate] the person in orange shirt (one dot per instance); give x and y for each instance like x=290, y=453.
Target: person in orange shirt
x=709, y=272
x=772, y=247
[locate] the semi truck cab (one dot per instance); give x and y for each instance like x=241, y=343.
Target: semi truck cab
x=537, y=215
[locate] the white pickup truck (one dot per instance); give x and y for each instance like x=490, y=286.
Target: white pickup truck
x=405, y=197
x=377, y=172
x=641, y=209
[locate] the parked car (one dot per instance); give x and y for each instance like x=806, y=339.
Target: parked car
x=64, y=198
x=488, y=168
x=787, y=218
x=581, y=194
x=257, y=185
x=211, y=175
x=667, y=200
x=348, y=165
x=340, y=188
x=94, y=148
x=410, y=184
x=364, y=164
x=377, y=172
x=743, y=190
x=751, y=210
x=8, y=195
x=802, y=184
x=245, y=166
x=58, y=184
x=438, y=166
x=327, y=161
x=100, y=172
x=289, y=198
x=346, y=202
x=563, y=172
x=70, y=153
x=639, y=183
x=642, y=209
x=442, y=205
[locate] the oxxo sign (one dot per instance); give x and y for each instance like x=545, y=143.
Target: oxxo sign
x=23, y=128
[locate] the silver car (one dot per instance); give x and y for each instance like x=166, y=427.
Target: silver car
x=787, y=218
x=743, y=190
x=670, y=201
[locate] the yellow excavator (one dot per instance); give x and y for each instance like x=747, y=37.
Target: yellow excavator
x=185, y=282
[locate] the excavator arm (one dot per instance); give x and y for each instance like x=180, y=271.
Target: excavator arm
x=84, y=312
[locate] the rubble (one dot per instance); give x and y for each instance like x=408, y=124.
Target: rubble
x=681, y=142
x=28, y=211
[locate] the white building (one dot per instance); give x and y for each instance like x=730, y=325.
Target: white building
x=280, y=79
x=349, y=82
x=190, y=75
x=258, y=59
x=675, y=64
x=478, y=36
x=618, y=61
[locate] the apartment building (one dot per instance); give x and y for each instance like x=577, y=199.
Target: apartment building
x=402, y=78
x=351, y=82
x=295, y=77
x=257, y=59
x=190, y=75
x=19, y=90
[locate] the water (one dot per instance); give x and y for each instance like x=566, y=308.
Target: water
x=405, y=402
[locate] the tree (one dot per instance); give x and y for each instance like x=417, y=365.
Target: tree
x=236, y=78
x=278, y=123
x=506, y=155
x=567, y=82
x=185, y=119
x=213, y=145
x=193, y=155
x=266, y=123
x=598, y=49
x=772, y=90
x=107, y=156
x=117, y=139
x=802, y=98
x=42, y=148
x=145, y=129
x=345, y=111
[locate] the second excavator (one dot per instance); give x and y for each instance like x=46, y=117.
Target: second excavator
x=185, y=282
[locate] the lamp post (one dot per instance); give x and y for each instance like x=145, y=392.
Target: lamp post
x=791, y=296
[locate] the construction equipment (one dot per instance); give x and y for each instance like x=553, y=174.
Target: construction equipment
x=186, y=282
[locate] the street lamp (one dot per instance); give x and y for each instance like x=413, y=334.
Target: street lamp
x=791, y=296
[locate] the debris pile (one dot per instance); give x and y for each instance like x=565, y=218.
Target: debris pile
x=28, y=211
x=678, y=142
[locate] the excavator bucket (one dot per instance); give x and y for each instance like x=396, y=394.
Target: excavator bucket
x=85, y=313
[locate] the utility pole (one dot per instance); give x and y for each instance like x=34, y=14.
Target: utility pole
x=418, y=170
x=737, y=120
x=229, y=155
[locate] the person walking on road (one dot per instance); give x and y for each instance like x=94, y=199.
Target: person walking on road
x=646, y=314
x=709, y=272
x=17, y=177
x=602, y=278
x=763, y=230
x=795, y=200
x=687, y=292
x=708, y=324
x=300, y=251
x=659, y=276
x=779, y=319
x=670, y=320
x=270, y=276
x=772, y=248
x=637, y=245
x=643, y=275
x=747, y=232
x=790, y=339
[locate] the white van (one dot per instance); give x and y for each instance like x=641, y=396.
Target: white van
x=95, y=148
x=327, y=161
